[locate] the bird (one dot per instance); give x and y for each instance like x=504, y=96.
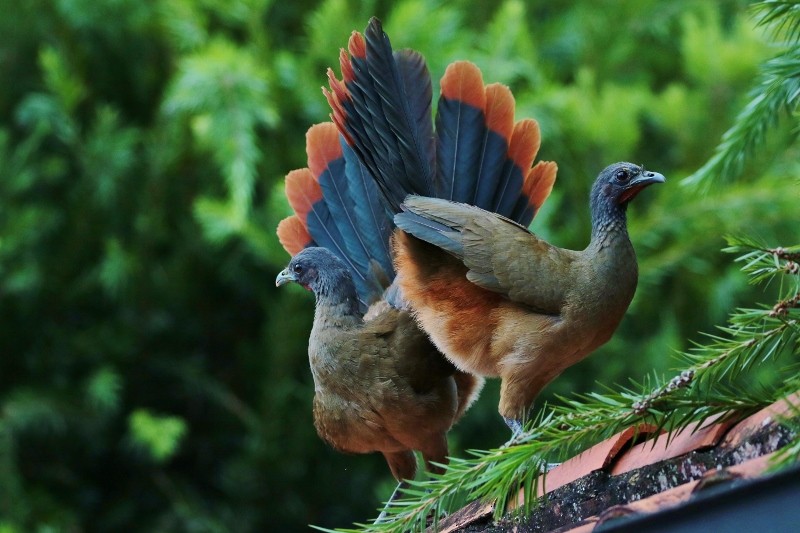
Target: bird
x=380, y=385
x=496, y=299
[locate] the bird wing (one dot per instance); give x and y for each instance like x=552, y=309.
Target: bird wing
x=409, y=353
x=501, y=255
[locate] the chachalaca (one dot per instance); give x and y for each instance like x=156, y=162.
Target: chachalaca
x=496, y=299
x=380, y=384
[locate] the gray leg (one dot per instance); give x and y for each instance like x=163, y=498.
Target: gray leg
x=403, y=485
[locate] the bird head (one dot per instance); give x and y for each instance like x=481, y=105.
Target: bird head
x=621, y=182
x=319, y=271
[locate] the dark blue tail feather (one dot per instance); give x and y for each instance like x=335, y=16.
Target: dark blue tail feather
x=460, y=131
x=372, y=220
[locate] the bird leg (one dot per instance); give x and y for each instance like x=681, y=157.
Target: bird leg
x=515, y=426
x=403, y=465
x=402, y=486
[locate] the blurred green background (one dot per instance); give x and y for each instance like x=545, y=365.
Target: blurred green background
x=152, y=378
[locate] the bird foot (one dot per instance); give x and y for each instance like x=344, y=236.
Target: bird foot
x=517, y=434
x=403, y=485
x=517, y=431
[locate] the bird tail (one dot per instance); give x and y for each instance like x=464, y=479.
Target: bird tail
x=477, y=154
x=336, y=206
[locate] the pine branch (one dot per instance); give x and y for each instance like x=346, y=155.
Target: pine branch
x=774, y=95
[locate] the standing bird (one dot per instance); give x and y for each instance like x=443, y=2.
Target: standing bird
x=494, y=298
x=380, y=384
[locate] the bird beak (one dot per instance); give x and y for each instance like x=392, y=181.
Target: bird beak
x=645, y=178
x=284, y=277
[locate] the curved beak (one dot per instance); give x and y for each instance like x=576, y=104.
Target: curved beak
x=645, y=179
x=284, y=277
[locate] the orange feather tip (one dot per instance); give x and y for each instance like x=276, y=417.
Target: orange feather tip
x=338, y=113
x=499, y=110
x=302, y=191
x=337, y=86
x=463, y=81
x=293, y=235
x=525, y=142
x=322, y=147
x=346, y=66
x=357, y=46
x=539, y=183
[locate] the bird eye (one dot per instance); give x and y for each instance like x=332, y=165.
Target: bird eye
x=298, y=268
x=622, y=175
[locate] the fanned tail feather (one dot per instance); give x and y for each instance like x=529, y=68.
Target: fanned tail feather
x=371, y=218
x=499, y=113
x=484, y=157
x=327, y=164
x=477, y=154
x=522, y=150
x=460, y=131
x=293, y=235
x=538, y=184
x=382, y=106
x=336, y=206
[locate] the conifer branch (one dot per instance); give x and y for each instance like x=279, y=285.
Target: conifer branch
x=775, y=95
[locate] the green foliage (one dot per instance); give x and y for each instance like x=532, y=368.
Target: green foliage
x=774, y=96
x=142, y=151
x=159, y=436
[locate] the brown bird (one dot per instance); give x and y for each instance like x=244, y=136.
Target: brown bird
x=495, y=299
x=380, y=384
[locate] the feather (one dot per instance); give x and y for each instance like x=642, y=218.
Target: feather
x=293, y=235
x=430, y=231
x=460, y=131
x=302, y=192
x=538, y=184
x=371, y=218
x=499, y=115
x=305, y=195
x=403, y=86
x=329, y=167
x=522, y=150
x=383, y=108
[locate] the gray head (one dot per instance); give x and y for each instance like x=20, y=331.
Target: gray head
x=321, y=272
x=617, y=185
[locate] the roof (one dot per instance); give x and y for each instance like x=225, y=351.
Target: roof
x=639, y=480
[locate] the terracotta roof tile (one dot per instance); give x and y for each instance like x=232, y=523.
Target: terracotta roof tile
x=677, y=495
x=764, y=417
x=691, y=438
x=465, y=516
x=597, y=457
x=615, y=459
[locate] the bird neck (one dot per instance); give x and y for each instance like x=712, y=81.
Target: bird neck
x=337, y=300
x=609, y=221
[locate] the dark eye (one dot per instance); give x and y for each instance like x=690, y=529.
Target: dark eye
x=622, y=175
x=298, y=268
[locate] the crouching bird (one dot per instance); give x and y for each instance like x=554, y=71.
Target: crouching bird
x=380, y=384
x=494, y=298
